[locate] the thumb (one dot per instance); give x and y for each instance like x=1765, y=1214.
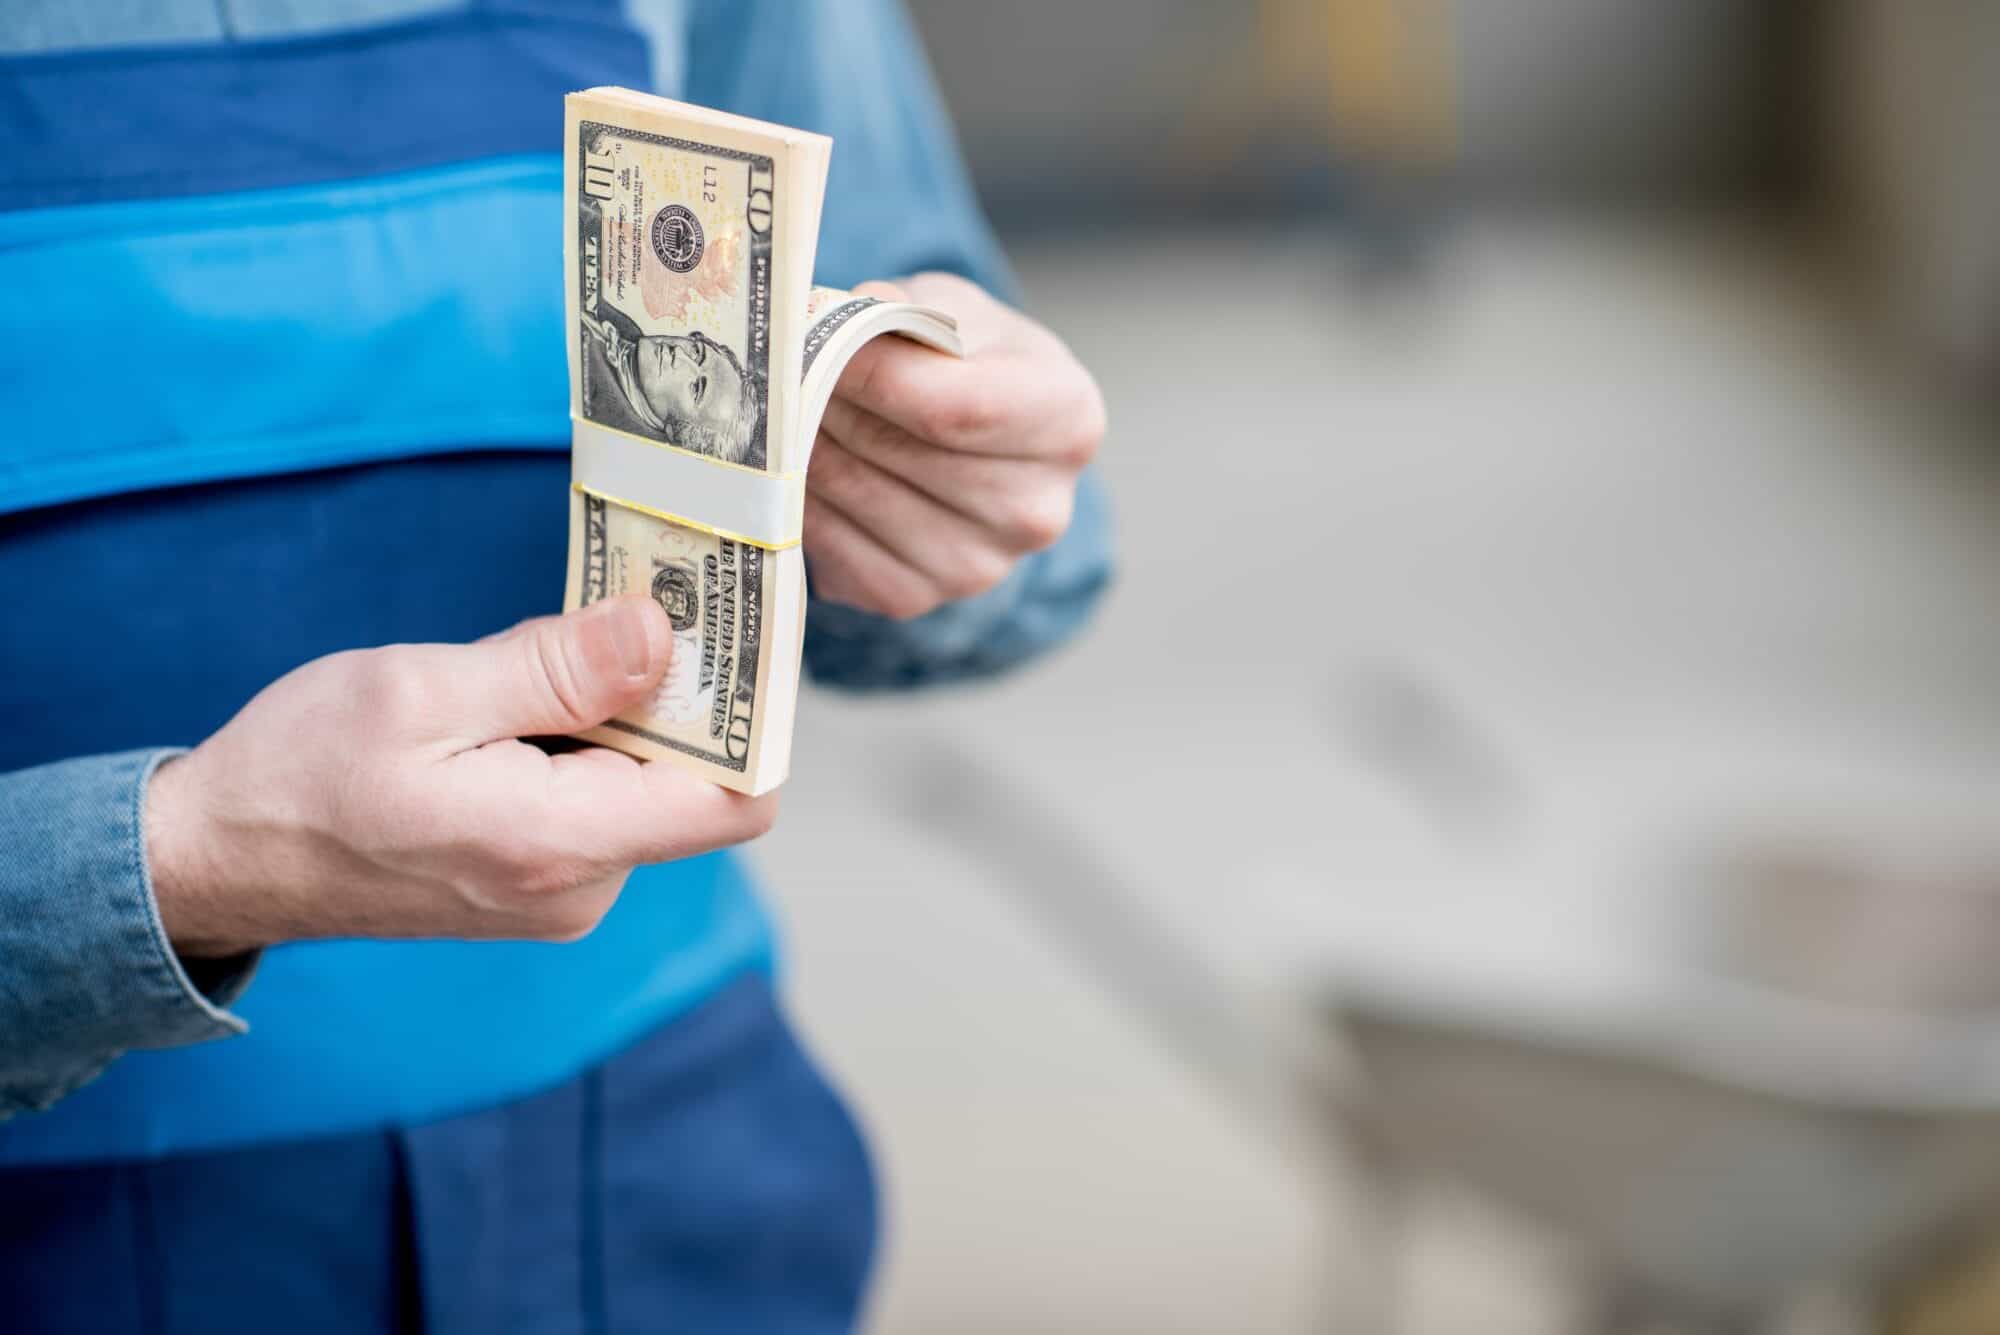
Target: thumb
x=562, y=674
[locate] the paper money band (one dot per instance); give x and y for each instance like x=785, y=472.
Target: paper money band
x=728, y=500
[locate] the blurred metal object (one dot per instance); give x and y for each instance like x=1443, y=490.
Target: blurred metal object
x=1909, y=926
x=1710, y=1148
x=1421, y=740
x=1706, y=1203
x=1774, y=1066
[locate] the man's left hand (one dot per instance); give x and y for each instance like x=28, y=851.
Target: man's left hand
x=931, y=475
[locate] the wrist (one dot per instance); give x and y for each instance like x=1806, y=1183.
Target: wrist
x=189, y=890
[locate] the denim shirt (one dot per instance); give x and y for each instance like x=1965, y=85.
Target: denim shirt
x=86, y=971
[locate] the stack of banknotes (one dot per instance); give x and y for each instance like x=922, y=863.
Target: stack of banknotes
x=701, y=357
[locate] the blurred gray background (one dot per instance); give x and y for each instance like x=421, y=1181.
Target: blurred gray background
x=1518, y=851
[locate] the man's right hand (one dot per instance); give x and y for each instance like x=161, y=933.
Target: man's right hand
x=385, y=793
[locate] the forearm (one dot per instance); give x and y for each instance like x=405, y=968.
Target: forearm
x=86, y=969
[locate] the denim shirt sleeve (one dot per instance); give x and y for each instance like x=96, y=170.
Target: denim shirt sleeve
x=898, y=201
x=85, y=968
x=897, y=196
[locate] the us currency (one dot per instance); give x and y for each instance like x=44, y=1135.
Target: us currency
x=689, y=248
x=709, y=710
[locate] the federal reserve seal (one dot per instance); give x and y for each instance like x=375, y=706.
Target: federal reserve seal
x=674, y=590
x=677, y=238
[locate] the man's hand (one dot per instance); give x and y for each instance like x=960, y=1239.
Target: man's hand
x=384, y=793
x=931, y=476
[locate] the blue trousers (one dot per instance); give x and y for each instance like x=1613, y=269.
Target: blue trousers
x=705, y=1180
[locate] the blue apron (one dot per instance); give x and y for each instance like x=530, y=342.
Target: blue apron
x=282, y=354
x=703, y=1181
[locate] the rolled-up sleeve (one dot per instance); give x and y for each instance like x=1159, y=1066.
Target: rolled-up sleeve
x=898, y=201
x=86, y=971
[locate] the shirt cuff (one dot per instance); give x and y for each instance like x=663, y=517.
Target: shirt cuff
x=89, y=970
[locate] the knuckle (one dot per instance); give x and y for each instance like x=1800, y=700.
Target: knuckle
x=952, y=292
x=1038, y=518
x=519, y=864
x=972, y=410
x=831, y=583
x=863, y=374
x=905, y=602
x=1092, y=422
x=828, y=466
x=521, y=856
x=552, y=666
x=941, y=284
x=961, y=584
x=386, y=684
x=843, y=477
x=978, y=570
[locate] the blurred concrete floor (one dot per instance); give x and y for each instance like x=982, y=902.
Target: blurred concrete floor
x=1605, y=484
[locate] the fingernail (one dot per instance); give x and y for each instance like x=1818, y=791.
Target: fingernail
x=629, y=633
